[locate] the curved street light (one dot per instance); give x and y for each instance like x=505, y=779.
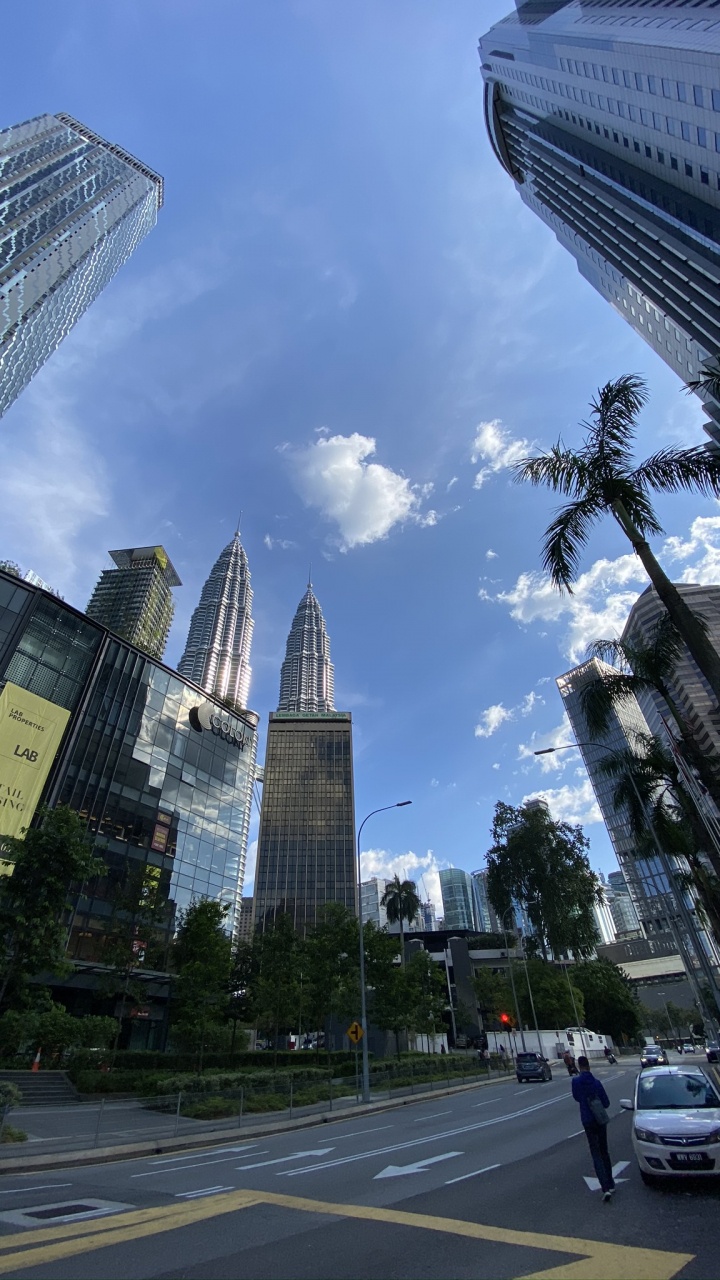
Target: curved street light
x=512, y=978
x=399, y=804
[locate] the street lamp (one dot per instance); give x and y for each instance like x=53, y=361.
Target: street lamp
x=679, y=900
x=512, y=978
x=399, y=804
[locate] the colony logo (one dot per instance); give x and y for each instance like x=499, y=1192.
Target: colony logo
x=205, y=717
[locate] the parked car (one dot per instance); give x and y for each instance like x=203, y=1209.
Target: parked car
x=653, y=1055
x=712, y=1052
x=676, y=1127
x=532, y=1066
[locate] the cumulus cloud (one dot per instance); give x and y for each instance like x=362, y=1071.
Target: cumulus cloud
x=424, y=870
x=702, y=546
x=497, y=449
x=570, y=804
x=493, y=717
x=365, y=499
x=490, y=554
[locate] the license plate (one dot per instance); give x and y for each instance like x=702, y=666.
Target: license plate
x=690, y=1159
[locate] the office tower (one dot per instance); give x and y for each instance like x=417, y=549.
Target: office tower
x=427, y=921
x=134, y=599
x=604, y=919
x=307, y=678
x=244, y=929
x=217, y=652
x=484, y=914
x=73, y=207
x=607, y=118
x=372, y=892
x=456, y=887
x=624, y=914
x=306, y=841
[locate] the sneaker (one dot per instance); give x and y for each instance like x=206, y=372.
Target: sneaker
x=608, y=1195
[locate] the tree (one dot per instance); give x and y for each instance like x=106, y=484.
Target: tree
x=544, y=865
x=136, y=933
x=494, y=995
x=331, y=967
x=611, y=1006
x=276, y=990
x=401, y=903
x=555, y=1004
x=201, y=959
x=9, y=566
x=48, y=860
x=601, y=479
x=426, y=993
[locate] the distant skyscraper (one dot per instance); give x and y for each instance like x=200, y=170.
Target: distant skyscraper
x=486, y=919
x=372, y=891
x=456, y=887
x=606, y=115
x=217, y=653
x=624, y=914
x=135, y=599
x=307, y=678
x=306, y=842
x=72, y=209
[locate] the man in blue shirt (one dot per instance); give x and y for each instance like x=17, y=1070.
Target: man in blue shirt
x=587, y=1090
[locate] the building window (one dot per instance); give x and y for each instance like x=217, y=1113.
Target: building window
x=661, y=156
x=681, y=91
x=702, y=136
x=699, y=95
x=705, y=177
x=673, y=162
x=688, y=170
x=716, y=99
x=648, y=152
x=685, y=130
x=636, y=145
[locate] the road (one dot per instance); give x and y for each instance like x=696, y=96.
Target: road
x=492, y=1182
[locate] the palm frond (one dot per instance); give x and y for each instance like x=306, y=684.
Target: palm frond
x=613, y=652
x=560, y=469
x=565, y=538
x=708, y=382
x=603, y=696
x=625, y=490
x=614, y=411
x=674, y=470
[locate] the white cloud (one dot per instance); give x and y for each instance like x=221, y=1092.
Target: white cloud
x=451, y=483
x=494, y=446
x=496, y=766
x=434, y=782
x=491, y=555
x=425, y=871
x=558, y=737
x=283, y=543
x=366, y=500
x=491, y=719
x=570, y=804
x=703, y=542
x=429, y=519
x=530, y=702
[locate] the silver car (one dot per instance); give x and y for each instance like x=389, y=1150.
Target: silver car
x=676, y=1127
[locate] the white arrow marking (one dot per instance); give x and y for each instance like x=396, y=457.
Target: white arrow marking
x=260, y=1164
x=397, y=1170
x=593, y=1183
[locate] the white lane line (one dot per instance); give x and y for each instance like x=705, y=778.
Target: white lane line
x=46, y=1186
x=517, y=1091
x=576, y=1134
x=433, y=1137
x=360, y=1133
x=487, y=1169
x=216, y=1151
x=299, y=1155
x=487, y=1103
x=200, y=1165
x=433, y=1116
x=204, y=1191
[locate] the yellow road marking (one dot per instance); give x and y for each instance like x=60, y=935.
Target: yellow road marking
x=598, y=1260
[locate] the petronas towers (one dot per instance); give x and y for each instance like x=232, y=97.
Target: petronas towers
x=217, y=653
x=307, y=678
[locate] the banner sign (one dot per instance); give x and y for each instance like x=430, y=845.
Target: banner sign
x=31, y=729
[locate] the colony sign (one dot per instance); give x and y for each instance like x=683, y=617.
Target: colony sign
x=31, y=729
x=208, y=718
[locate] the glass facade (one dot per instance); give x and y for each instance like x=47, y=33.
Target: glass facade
x=607, y=117
x=73, y=207
x=306, y=842
x=135, y=598
x=458, y=899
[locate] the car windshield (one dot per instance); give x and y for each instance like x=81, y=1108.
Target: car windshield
x=680, y=1091
x=527, y=1057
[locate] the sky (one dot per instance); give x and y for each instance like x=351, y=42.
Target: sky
x=345, y=326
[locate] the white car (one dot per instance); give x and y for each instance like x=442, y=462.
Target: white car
x=676, y=1126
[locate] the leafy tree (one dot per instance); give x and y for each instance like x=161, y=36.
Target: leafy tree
x=426, y=993
x=401, y=903
x=50, y=1028
x=136, y=934
x=544, y=865
x=487, y=942
x=276, y=991
x=551, y=995
x=201, y=960
x=9, y=566
x=49, y=859
x=611, y=1006
x=601, y=478
x=330, y=967
x=494, y=995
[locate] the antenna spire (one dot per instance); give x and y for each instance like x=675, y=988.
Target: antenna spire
x=237, y=526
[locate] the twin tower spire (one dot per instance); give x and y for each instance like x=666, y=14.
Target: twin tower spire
x=217, y=653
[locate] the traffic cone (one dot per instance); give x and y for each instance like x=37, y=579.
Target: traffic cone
x=36, y=1061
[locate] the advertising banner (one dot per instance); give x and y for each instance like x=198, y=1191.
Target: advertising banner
x=31, y=729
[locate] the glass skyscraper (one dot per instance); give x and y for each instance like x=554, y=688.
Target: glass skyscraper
x=606, y=115
x=458, y=899
x=135, y=598
x=217, y=653
x=73, y=207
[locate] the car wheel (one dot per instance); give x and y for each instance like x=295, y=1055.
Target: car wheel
x=648, y=1178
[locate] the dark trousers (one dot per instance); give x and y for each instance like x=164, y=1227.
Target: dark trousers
x=598, y=1144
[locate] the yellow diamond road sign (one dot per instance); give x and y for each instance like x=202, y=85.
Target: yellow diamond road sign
x=355, y=1032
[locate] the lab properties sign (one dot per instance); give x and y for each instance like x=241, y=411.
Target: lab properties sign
x=31, y=729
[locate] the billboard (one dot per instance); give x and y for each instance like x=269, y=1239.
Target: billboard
x=31, y=729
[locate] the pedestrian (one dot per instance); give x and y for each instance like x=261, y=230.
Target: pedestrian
x=589, y=1092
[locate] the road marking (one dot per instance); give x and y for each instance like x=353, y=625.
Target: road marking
x=299, y=1155
x=46, y=1186
x=594, y=1184
x=433, y=1116
x=205, y=1191
x=487, y=1169
x=216, y=1151
x=421, y=1166
x=432, y=1137
x=360, y=1133
x=597, y=1258
x=576, y=1134
x=487, y=1103
x=200, y=1165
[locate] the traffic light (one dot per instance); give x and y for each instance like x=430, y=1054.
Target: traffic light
x=505, y=1019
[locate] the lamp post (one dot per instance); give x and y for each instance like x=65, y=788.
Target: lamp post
x=678, y=895
x=399, y=804
x=512, y=980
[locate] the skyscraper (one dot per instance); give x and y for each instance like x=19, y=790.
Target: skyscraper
x=72, y=209
x=458, y=899
x=217, y=652
x=306, y=841
x=134, y=600
x=307, y=678
x=624, y=914
x=486, y=918
x=606, y=115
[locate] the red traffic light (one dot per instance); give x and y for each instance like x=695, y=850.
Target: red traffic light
x=505, y=1017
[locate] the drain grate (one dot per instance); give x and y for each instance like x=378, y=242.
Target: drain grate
x=66, y=1211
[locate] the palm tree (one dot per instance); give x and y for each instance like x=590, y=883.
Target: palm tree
x=708, y=384
x=601, y=479
x=401, y=902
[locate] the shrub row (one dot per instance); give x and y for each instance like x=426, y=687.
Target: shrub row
x=131, y=1060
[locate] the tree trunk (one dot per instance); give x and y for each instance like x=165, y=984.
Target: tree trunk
x=402, y=942
x=690, y=627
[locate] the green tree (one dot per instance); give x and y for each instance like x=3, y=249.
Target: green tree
x=427, y=994
x=9, y=566
x=544, y=865
x=551, y=995
x=387, y=989
x=331, y=968
x=401, y=902
x=611, y=1006
x=50, y=858
x=201, y=959
x=494, y=995
x=276, y=991
x=136, y=933
x=601, y=478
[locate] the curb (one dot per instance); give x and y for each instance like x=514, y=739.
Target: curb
x=164, y=1146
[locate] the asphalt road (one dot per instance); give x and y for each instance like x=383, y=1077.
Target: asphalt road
x=493, y=1182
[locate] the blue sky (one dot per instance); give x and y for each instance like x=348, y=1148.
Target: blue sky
x=345, y=324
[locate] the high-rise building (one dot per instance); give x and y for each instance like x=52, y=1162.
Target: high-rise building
x=307, y=678
x=73, y=207
x=606, y=115
x=244, y=926
x=624, y=914
x=372, y=909
x=458, y=899
x=135, y=598
x=217, y=652
x=306, y=841
x=604, y=919
x=485, y=916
